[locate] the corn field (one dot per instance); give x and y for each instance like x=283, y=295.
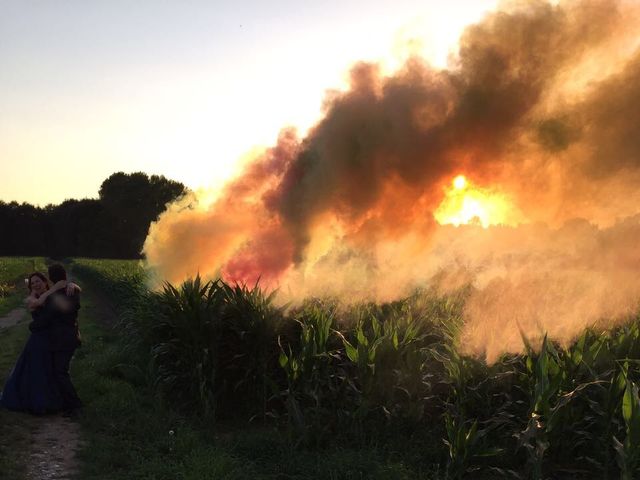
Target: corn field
x=388, y=375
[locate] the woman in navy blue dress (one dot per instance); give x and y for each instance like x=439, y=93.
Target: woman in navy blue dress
x=31, y=386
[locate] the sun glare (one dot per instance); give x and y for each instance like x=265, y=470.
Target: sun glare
x=465, y=203
x=459, y=182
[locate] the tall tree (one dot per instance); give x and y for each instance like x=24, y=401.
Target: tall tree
x=131, y=203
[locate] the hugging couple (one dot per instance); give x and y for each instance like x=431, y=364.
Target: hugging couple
x=40, y=382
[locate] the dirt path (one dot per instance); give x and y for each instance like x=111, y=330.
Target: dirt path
x=53, y=452
x=54, y=439
x=12, y=318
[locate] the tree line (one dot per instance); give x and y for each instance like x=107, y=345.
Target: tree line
x=113, y=226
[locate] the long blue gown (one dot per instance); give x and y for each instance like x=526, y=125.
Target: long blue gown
x=31, y=386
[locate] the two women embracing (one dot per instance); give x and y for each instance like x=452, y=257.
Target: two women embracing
x=40, y=382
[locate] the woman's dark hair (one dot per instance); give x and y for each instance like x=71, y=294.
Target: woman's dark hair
x=57, y=273
x=40, y=276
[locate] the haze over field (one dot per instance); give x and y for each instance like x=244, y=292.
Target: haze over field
x=514, y=168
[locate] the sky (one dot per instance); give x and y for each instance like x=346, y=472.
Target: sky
x=184, y=88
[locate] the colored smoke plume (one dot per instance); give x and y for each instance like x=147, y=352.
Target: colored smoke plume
x=539, y=108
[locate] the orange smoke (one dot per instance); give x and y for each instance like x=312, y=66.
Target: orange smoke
x=539, y=110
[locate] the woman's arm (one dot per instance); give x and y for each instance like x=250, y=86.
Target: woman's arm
x=33, y=302
x=73, y=288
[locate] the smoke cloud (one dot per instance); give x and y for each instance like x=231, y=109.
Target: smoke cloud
x=540, y=106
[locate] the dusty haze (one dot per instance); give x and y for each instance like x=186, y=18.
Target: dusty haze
x=541, y=105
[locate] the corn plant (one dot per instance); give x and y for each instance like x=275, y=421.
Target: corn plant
x=628, y=451
x=608, y=414
x=311, y=384
x=186, y=341
x=362, y=353
x=546, y=382
x=445, y=350
x=464, y=440
x=249, y=343
x=336, y=373
x=404, y=363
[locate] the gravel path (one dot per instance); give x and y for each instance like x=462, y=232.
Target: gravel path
x=12, y=318
x=53, y=451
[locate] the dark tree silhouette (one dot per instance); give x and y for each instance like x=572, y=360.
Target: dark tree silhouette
x=113, y=226
x=22, y=229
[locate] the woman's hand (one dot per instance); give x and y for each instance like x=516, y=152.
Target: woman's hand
x=32, y=302
x=72, y=288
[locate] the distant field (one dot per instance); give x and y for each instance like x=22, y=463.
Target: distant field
x=14, y=268
x=131, y=271
x=120, y=280
x=13, y=271
x=113, y=267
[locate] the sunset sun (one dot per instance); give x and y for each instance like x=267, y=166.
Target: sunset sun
x=465, y=203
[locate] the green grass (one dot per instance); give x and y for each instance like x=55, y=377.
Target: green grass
x=13, y=271
x=15, y=428
x=12, y=268
x=126, y=430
